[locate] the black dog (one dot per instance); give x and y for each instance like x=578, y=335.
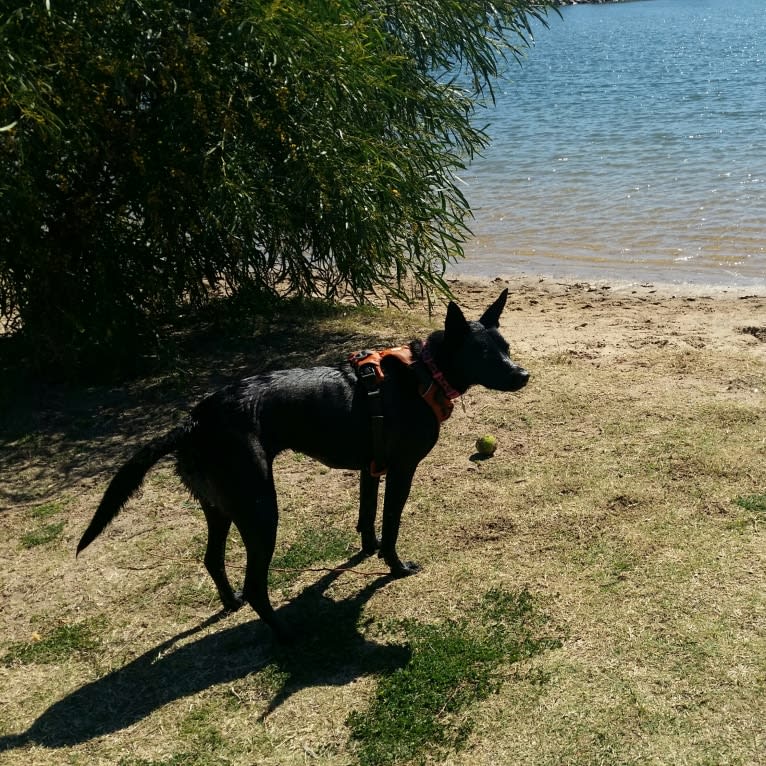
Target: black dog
x=226, y=448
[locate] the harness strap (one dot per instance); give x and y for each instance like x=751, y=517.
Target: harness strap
x=368, y=372
x=432, y=385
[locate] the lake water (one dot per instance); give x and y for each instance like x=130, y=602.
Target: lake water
x=630, y=144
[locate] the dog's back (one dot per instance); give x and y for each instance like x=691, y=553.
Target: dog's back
x=313, y=411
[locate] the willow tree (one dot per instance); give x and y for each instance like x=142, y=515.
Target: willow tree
x=155, y=152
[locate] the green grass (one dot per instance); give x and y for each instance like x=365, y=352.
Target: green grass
x=179, y=759
x=312, y=547
x=49, y=532
x=186, y=758
x=43, y=535
x=425, y=707
x=61, y=643
x=46, y=510
x=753, y=503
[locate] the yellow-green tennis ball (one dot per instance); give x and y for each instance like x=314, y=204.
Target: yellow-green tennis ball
x=486, y=445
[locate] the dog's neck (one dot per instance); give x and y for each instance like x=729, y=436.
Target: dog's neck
x=427, y=357
x=453, y=381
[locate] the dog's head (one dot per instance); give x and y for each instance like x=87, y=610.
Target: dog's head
x=475, y=353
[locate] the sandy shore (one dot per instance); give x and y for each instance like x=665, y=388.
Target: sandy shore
x=602, y=321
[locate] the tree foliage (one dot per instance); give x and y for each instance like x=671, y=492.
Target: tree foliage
x=156, y=152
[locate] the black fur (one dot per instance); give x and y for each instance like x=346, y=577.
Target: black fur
x=225, y=450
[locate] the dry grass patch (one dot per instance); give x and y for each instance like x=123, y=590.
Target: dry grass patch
x=626, y=499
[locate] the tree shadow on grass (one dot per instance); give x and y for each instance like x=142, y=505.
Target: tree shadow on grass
x=54, y=436
x=331, y=651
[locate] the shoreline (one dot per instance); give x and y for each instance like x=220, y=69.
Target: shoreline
x=483, y=261
x=589, y=2
x=661, y=288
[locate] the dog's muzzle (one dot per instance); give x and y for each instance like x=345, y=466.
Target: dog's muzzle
x=520, y=378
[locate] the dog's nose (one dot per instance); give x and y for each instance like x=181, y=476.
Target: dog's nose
x=522, y=373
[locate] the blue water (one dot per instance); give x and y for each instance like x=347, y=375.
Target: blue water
x=630, y=144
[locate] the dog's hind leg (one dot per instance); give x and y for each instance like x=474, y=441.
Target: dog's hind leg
x=259, y=534
x=251, y=503
x=368, y=507
x=237, y=486
x=218, y=527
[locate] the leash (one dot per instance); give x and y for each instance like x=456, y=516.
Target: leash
x=351, y=570
x=160, y=562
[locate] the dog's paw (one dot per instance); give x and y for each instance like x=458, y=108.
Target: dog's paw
x=234, y=603
x=370, y=545
x=405, y=569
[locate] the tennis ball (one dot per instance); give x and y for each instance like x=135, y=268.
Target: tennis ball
x=486, y=445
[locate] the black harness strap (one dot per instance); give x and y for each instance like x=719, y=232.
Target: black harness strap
x=368, y=371
x=368, y=374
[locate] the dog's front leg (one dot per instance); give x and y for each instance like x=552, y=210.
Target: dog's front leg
x=398, y=483
x=368, y=508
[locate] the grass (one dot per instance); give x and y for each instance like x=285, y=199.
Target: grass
x=594, y=593
x=46, y=510
x=754, y=503
x=44, y=533
x=425, y=707
x=58, y=645
x=47, y=533
x=313, y=546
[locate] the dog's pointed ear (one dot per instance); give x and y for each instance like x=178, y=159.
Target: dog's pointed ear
x=491, y=317
x=455, y=324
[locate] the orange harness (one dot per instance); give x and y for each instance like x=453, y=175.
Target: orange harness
x=368, y=367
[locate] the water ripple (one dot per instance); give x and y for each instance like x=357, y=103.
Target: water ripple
x=632, y=143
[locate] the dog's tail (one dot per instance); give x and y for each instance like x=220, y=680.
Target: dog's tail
x=127, y=481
